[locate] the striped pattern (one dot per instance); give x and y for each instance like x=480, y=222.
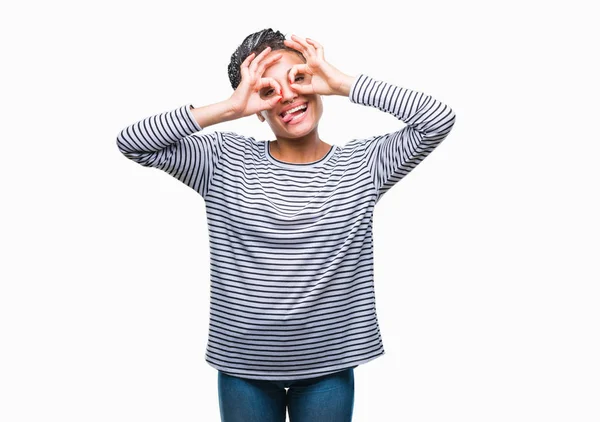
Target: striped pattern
x=292, y=289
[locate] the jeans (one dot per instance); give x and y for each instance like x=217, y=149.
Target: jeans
x=328, y=398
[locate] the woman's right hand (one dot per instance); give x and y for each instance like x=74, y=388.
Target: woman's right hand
x=247, y=99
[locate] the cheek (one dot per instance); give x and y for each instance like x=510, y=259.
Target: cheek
x=318, y=108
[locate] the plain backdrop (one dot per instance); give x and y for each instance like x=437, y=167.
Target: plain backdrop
x=486, y=255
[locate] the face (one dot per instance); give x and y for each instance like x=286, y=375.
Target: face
x=314, y=110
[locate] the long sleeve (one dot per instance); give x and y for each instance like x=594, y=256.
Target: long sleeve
x=392, y=156
x=167, y=141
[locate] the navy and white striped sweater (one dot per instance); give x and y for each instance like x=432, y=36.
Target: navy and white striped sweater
x=291, y=249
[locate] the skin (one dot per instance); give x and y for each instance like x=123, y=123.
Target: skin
x=284, y=74
x=297, y=143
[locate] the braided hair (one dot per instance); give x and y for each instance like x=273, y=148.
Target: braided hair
x=255, y=43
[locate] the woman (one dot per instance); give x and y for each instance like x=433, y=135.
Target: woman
x=292, y=304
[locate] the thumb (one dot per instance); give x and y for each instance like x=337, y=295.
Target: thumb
x=302, y=89
x=273, y=101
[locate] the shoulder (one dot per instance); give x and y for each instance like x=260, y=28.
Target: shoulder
x=228, y=139
x=240, y=147
x=356, y=147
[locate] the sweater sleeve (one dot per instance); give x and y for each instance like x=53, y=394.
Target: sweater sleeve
x=392, y=156
x=167, y=142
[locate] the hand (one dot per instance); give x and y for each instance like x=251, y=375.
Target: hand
x=246, y=99
x=323, y=78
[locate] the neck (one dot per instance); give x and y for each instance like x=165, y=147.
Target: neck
x=304, y=149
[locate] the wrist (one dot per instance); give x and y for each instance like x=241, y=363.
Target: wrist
x=230, y=109
x=213, y=114
x=345, y=85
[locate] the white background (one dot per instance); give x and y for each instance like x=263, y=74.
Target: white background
x=486, y=255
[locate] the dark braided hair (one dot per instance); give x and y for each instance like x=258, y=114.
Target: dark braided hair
x=255, y=43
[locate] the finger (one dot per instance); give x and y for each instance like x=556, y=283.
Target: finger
x=296, y=46
x=318, y=46
x=303, y=89
x=269, y=83
x=256, y=61
x=271, y=102
x=246, y=62
x=301, y=41
x=298, y=68
x=268, y=62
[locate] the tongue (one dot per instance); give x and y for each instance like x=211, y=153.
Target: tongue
x=290, y=116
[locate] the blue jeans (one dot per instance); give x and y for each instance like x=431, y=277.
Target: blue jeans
x=328, y=398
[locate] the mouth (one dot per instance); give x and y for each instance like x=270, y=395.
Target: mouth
x=291, y=118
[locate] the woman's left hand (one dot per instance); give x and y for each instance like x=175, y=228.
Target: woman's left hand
x=323, y=78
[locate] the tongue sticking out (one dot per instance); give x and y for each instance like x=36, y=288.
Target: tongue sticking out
x=290, y=116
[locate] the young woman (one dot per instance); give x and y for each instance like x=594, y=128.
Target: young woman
x=292, y=303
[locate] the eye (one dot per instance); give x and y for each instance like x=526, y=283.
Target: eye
x=267, y=93
x=300, y=77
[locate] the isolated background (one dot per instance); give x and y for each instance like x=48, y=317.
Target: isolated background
x=486, y=255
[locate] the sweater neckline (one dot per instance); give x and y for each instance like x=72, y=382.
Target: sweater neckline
x=286, y=164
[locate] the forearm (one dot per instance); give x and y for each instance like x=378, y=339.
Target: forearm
x=213, y=113
x=421, y=112
x=157, y=132
x=168, y=141
x=391, y=156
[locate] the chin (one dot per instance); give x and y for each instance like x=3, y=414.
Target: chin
x=297, y=131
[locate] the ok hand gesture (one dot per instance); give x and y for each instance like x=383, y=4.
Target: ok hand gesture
x=323, y=78
x=246, y=100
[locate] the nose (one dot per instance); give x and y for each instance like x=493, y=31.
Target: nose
x=288, y=94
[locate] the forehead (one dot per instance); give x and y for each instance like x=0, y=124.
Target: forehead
x=280, y=68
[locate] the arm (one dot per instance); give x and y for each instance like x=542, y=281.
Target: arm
x=167, y=141
x=392, y=156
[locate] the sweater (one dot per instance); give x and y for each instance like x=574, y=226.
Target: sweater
x=291, y=245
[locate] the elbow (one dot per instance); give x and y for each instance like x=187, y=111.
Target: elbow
x=451, y=117
x=443, y=125
x=121, y=143
x=125, y=144
x=446, y=122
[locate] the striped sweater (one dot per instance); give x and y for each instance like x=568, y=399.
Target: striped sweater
x=291, y=249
